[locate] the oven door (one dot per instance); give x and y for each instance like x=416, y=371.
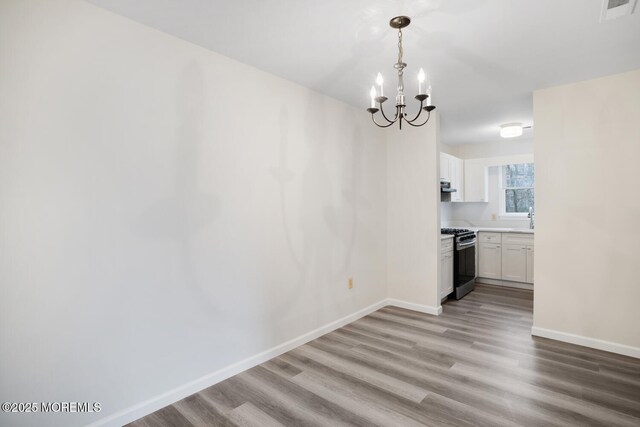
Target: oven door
x=464, y=262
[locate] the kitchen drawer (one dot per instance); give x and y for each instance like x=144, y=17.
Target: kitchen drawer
x=489, y=237
x=517, y=239
x=446, y=245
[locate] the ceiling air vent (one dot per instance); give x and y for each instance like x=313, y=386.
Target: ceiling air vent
x=612, y=9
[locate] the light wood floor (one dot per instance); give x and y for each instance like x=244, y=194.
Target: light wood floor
x=476, y=364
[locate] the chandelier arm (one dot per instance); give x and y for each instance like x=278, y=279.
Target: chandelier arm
x=379, y=125
x=417, y=115
x=421, y=124
x=395, y=119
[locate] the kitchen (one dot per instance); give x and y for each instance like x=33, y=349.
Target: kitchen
x=487, y=214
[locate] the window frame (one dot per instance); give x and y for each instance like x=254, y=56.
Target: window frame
x=503, y=197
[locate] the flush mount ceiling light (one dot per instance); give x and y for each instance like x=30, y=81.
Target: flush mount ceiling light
x=424, y=88
x=511, y=130
x=613, y=9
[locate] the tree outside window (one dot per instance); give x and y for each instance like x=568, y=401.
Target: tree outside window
x=518, y=188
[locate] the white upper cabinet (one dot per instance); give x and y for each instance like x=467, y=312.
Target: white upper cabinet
x=456, y=166
x=452, y=170
x=471, y=177
x=476, y=181
x=445, y=171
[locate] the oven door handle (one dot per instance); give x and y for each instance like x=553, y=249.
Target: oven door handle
x=466, y=245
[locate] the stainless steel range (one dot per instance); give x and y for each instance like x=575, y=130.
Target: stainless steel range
x=464, y=260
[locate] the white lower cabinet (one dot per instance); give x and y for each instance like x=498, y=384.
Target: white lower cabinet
x=530, y=264
x=490, y=261
x=505, y=256
x=514, y=263
x=446, y=264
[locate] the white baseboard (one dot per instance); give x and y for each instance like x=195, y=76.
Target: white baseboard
x=598, y=344
x=147, y=407
x=505, y=283
x=429, y=309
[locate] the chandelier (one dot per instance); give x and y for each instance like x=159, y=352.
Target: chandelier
x=424, y=93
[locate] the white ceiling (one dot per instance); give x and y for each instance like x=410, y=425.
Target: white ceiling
x=484, y=57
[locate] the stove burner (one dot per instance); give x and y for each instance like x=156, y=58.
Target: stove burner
x=454, y=230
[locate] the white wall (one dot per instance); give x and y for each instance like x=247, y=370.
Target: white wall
x=446, y=214
x=587, y=147
x=413, y=231
x=166, y=211
x=505, y=147
x=445, y=148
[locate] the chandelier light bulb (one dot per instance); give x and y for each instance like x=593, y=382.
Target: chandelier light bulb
x=421, y=78
x=372, y=92
x=379, y=82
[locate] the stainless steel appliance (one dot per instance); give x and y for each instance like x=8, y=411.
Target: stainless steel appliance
x=446, y=190
x=464, y=260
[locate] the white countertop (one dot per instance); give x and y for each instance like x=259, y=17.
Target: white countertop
x=446, y=236
x=503, y=230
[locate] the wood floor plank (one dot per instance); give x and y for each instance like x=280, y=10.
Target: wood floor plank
x=482, y=395
x=588, y=353
x=281, y=368
x=317, y=409
x=360, y=405
x=564, y=407
x=223, y=396
x=277, y=406
x=168, y=416
x=200, y=413
x=248, y=415
x=366, y=373
x=515, y=351
x=374, y=337
x=475, y=365
x=583, y=377
x=377, y=395
x=453, y=413
x=421, y=325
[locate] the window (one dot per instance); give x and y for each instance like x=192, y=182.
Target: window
x=517, y=189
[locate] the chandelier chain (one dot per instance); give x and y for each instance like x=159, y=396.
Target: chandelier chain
x=400, y=51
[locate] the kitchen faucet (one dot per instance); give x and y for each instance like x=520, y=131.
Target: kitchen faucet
x=530, y=216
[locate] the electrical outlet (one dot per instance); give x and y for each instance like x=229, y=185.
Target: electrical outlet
x=350, y=282
x=494, y=217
